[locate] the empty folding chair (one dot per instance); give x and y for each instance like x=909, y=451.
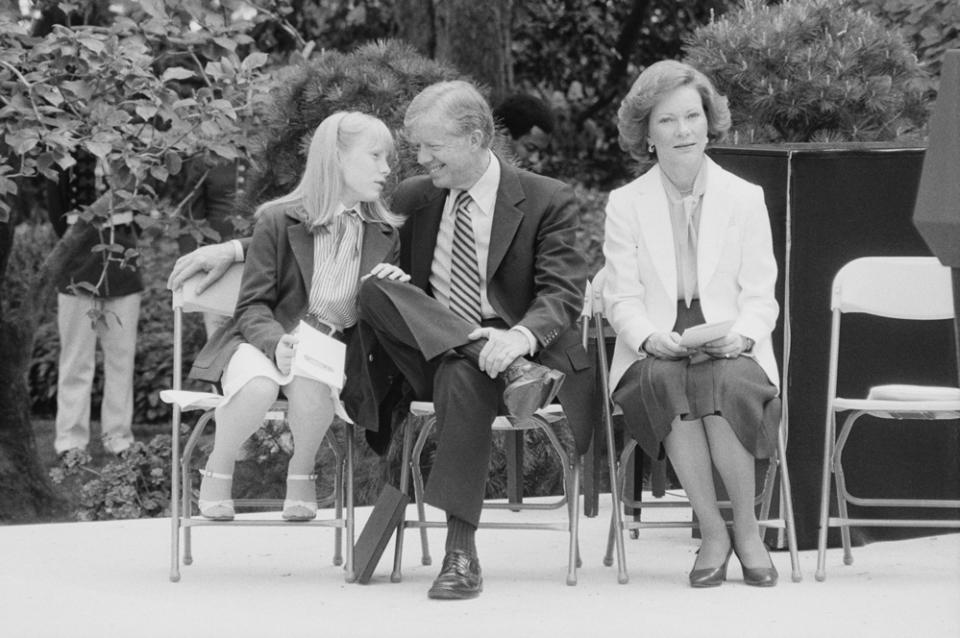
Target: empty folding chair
x=903, y=288
x=220, y=298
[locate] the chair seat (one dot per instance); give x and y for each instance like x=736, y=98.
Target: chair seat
x=549, y=414
x=913, y=393
x=906, y=402
x=189, y=400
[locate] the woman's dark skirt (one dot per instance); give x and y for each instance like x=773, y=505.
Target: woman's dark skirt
x=653, y=392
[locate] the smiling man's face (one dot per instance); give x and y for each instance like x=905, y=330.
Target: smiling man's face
x=452, y=161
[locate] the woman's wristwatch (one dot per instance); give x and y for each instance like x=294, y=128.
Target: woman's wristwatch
x=747, y=344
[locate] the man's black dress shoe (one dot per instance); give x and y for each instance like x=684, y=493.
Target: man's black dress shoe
x=530, y=386
x=459, y=578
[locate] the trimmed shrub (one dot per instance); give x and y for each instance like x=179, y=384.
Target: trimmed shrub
x=812, y=71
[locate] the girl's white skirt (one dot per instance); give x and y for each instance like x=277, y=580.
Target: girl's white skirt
x=247, y=363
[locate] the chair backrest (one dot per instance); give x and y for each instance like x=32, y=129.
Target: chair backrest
x=594, y=301
x=895, y=287
x=219, y=298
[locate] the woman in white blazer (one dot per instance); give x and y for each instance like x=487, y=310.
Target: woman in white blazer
x=687, y=243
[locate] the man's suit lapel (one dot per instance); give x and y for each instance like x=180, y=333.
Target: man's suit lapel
x=426, y=224
x=506, y=218
x=301, y=243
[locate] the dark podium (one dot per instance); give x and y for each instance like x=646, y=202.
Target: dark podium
x=829, y=205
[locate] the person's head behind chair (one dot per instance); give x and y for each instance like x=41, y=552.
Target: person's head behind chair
x=530, y=122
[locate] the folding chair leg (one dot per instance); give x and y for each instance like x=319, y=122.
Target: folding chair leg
x=338, y=487
x=844, y=514
x=185, y=513
x=351, y=574
x=396, y=575
x=616, y=517
x=786, y=502
x=841, y=484
x=573, y=498
x=828, y=445
x=513, y=450
x=418, y=490
x=175, y=498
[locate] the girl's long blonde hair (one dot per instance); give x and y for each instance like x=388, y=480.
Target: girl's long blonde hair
x=320, y=188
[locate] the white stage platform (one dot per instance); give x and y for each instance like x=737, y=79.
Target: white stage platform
x=110, y=579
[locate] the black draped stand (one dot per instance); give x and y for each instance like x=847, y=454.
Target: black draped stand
x=829, y=205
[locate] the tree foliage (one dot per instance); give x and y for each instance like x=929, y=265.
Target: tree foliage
x=143, y=95
x=167, y=84
x=931, y=27
x=812, y=70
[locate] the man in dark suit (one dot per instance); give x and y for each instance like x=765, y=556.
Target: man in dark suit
x=504, y=343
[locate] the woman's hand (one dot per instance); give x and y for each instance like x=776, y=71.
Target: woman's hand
x=665, y=345
x=730, y=346
x=284, y=353
x=388, y=271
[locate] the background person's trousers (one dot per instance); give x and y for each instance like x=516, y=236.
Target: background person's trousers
x=78, y=342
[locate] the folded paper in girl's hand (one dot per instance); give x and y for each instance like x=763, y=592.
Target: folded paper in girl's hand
x=319, y=356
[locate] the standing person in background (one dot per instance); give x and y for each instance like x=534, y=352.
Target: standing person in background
x=93, y=303
x=114, y=293
x=688, y=242
x=530, y=122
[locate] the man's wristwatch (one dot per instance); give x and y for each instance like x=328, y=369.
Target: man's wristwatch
x=747, y=344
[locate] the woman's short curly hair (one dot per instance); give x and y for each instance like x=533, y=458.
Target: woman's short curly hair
x=657, y=80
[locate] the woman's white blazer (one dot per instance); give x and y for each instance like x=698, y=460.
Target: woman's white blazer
x=736, y=269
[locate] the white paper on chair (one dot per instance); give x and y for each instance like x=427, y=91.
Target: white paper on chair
x=190, y=400
x=696, y=336
x=219, y=298
x=319, y=357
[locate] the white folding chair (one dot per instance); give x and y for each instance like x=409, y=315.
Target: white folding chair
x=542, y=420
x=221, y=298
x=617, y=468
x=906, y=288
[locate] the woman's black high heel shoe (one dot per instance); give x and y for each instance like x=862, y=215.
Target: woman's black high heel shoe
x=759, y=576
x=710, y=576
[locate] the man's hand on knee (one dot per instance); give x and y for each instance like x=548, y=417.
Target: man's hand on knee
x=213, y=260
x=501, y=349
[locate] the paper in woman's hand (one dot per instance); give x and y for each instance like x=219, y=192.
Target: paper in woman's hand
x=319, y=357
x=696, y=336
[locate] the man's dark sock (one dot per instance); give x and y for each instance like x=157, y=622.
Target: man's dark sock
x=461, y=535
